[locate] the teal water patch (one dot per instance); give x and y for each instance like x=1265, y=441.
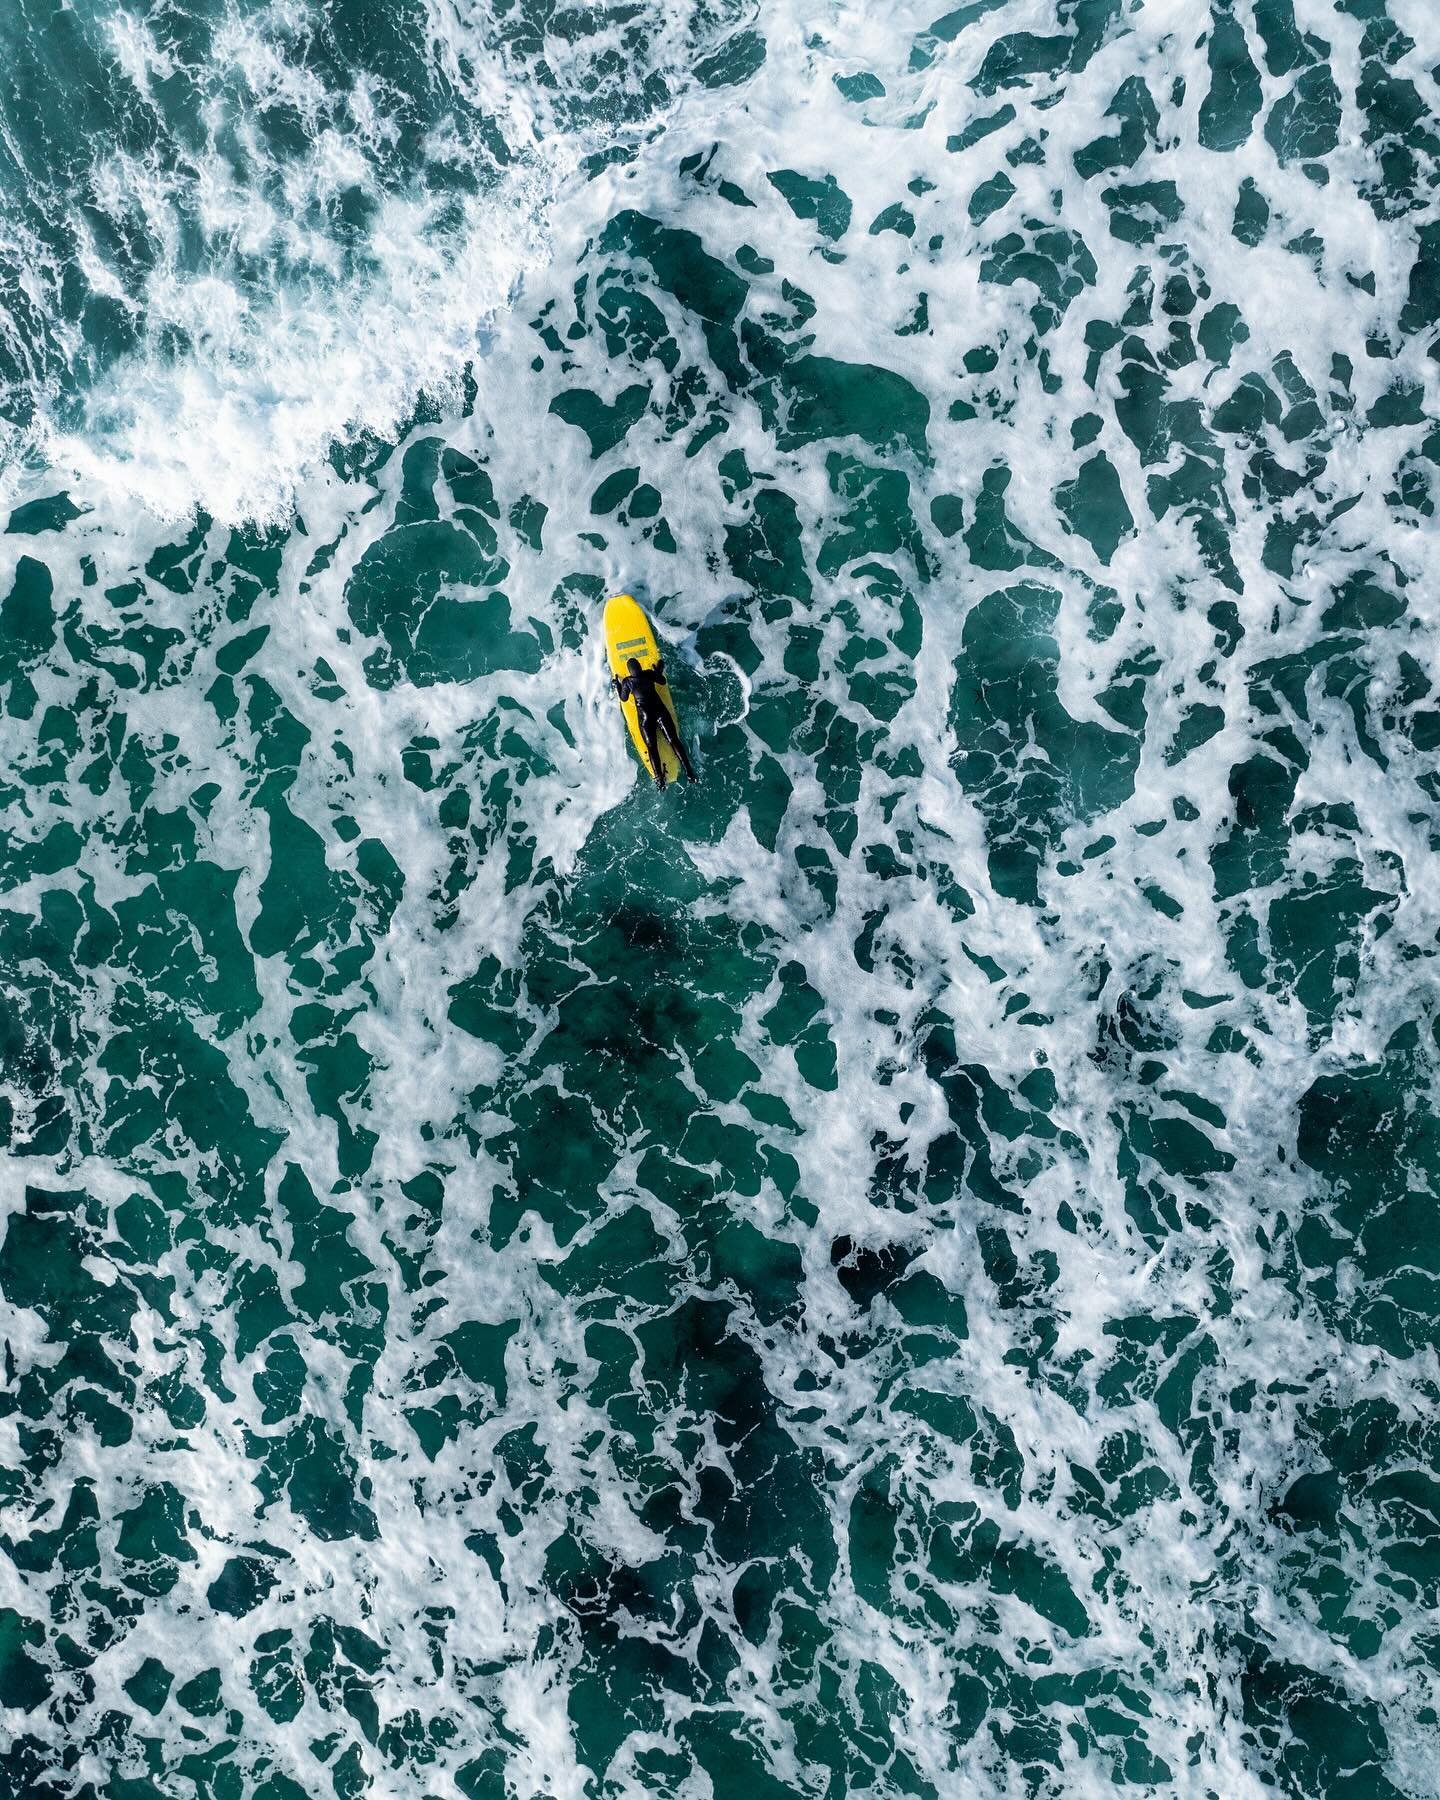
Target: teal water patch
x=907, y=1267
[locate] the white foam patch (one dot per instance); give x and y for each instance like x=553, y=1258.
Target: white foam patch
x=341, y=336
x=233, y=428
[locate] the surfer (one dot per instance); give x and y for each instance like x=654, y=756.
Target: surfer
x=642, y=686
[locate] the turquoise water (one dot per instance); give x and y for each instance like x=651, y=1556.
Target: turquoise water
x=909, y=1268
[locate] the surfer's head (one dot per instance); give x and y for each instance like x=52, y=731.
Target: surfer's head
x=633, y=665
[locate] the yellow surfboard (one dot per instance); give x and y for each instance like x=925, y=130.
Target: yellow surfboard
x=629, y=633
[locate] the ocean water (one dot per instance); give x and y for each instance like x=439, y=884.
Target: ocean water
x=909, y=1268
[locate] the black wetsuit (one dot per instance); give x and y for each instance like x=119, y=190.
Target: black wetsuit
x=654, y=716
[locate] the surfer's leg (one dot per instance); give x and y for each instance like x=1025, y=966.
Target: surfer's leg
x=667, y=725
x=650, y=732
